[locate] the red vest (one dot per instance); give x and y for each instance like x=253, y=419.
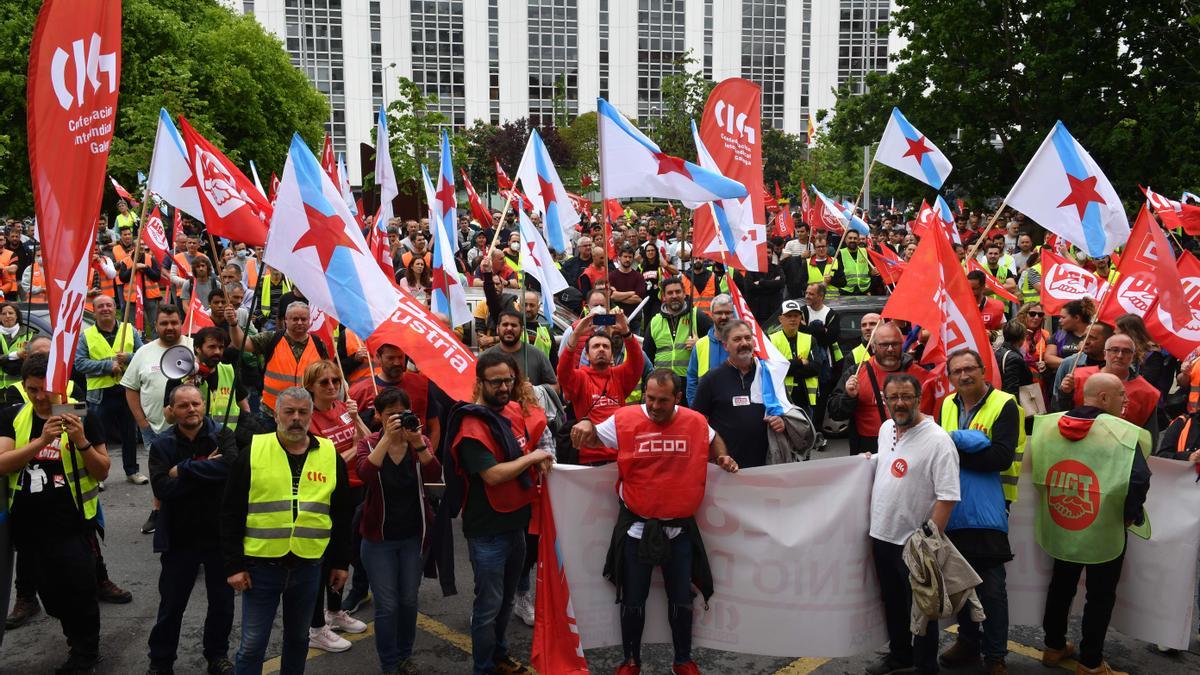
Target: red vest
x=1143, y=397
x=661, y=469
x=866, y=415
x=992, y=313
x=415, y=384
x=527, y=427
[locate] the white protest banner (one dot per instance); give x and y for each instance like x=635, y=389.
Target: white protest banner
x=790, y=558
x=793, y=571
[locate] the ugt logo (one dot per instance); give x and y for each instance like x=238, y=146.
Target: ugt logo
x=731, y=119
x=1072, y=494
x=88, y=66
x=315, y=477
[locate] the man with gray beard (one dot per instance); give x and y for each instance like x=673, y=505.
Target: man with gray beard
x=723, y=396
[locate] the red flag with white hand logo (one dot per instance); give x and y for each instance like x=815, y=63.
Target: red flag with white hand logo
x=233, y=207
x=71, y=104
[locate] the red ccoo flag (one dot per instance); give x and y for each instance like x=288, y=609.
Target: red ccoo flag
x=805, y=205
x=889, y=265
x=71, y=107
x=328, y=161
x=556, y=647
x=154, y=236
x=1174, y=214
x=478, y=210
x=198, y=316
x=586, y=182
x=503, y=182
x=233, y=206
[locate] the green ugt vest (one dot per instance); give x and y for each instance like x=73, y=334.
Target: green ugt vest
x=79, y=482
x=1082, y=486
x=983, y=421
x=16, y=345
x=271, y=529
x=99, y=349
x=856, y=270
x=221, y=406
x=803, y=351
x=1031, y=292
x=671, y=349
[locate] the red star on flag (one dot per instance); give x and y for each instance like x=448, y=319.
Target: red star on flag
x=547, y=189
x=445, y=196
x=917, y=149
x=442, y=280
x=669, y=164
x=1083, y=192
x=325, y=233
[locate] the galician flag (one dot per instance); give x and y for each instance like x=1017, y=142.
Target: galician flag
x=448, y=296
x=537, y=262
x=314, y=241
x=632, y=165
x=907, y=150
x=734, y=219
x=545, y=189
x=170, y=169
x=768, y=386
x=1063, y=190
x=385, y=173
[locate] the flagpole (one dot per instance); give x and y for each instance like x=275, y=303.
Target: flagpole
x=237, y=369
x=983, y=237
x=503, y=212
x=371, y=365
x=604, y=210
x=133, y=273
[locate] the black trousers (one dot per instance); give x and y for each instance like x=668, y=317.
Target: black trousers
x=1101, y=584
x=63, y=568
x=175, y=583
x=906, y=648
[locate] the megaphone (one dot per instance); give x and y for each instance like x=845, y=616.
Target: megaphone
x=177, y=362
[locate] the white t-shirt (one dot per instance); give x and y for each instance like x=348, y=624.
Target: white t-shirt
x=144, y=376
x=606, y=431
x=910, y=476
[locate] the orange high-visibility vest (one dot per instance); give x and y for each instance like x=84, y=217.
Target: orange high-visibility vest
x=283, y=370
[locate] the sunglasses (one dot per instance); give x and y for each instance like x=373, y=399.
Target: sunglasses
x=1037, y=314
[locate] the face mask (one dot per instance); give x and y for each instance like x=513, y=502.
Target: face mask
x=514, y=246
x=241, y=254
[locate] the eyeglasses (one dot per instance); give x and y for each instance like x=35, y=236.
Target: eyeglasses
x=963, y=371
x=500, y=382
x=888, y=345
x=325, y=382
x=900, y=398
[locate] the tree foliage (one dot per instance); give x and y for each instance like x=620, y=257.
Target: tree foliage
x=987, y=80
x=684, y=93
x=223, y=72
x=780, y=152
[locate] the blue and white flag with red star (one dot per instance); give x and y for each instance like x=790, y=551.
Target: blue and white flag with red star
x=315, y=241
x=545, y=189
x=1064, y=191
x=537, y=262
x=907, y=150
x=447, y=297
x=769, y=386
x=632, y=165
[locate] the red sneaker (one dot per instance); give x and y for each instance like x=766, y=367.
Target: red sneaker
x=629, y=669
x=689, y=668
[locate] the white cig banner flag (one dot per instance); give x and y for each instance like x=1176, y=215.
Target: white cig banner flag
x=792, y=564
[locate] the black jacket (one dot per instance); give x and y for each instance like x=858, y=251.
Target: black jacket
x=193, y=497
x=1014, y=374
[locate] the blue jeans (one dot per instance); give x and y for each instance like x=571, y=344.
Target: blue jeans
x=497, y=560
x=297, y=586
x=395, y=569
x=113, y=413
x=993, y=595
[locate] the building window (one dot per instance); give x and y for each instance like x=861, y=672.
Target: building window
x=248, y=7
x=378, y=76
x=660, y=44
x=437, y=56
x=314, y=41
x=494, y=60
x=764, y=37
x=553, y=28
x=708, y=38
x=603, y=28
x=862, y=47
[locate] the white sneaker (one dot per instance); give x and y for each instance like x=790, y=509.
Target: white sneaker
x=344, y=622
x=523, y=608
x=324, y=638
x=137, y=478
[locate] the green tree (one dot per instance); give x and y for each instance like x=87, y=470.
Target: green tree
x=231, y=79
x=780, y=151
x=582, y=140
x=684, y=93
x=987, y=80
x=415, y=131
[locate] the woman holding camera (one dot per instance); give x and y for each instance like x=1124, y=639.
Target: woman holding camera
x=338, y=421
x=394, y=464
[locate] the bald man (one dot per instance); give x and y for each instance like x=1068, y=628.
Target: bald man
x=1090, y=471
x=860, y=353
x=1120, y=352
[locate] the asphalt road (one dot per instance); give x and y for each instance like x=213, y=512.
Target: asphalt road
x=443, y=643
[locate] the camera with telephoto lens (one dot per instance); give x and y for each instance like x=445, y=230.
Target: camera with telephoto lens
x=409, y=421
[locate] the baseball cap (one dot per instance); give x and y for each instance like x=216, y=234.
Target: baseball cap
x=791, y=306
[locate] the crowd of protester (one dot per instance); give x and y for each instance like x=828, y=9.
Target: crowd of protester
x=294, y=467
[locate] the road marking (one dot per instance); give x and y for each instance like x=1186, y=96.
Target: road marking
x=429, y=625
x=441, y=630
x=801, y=666
x=1031, y=652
